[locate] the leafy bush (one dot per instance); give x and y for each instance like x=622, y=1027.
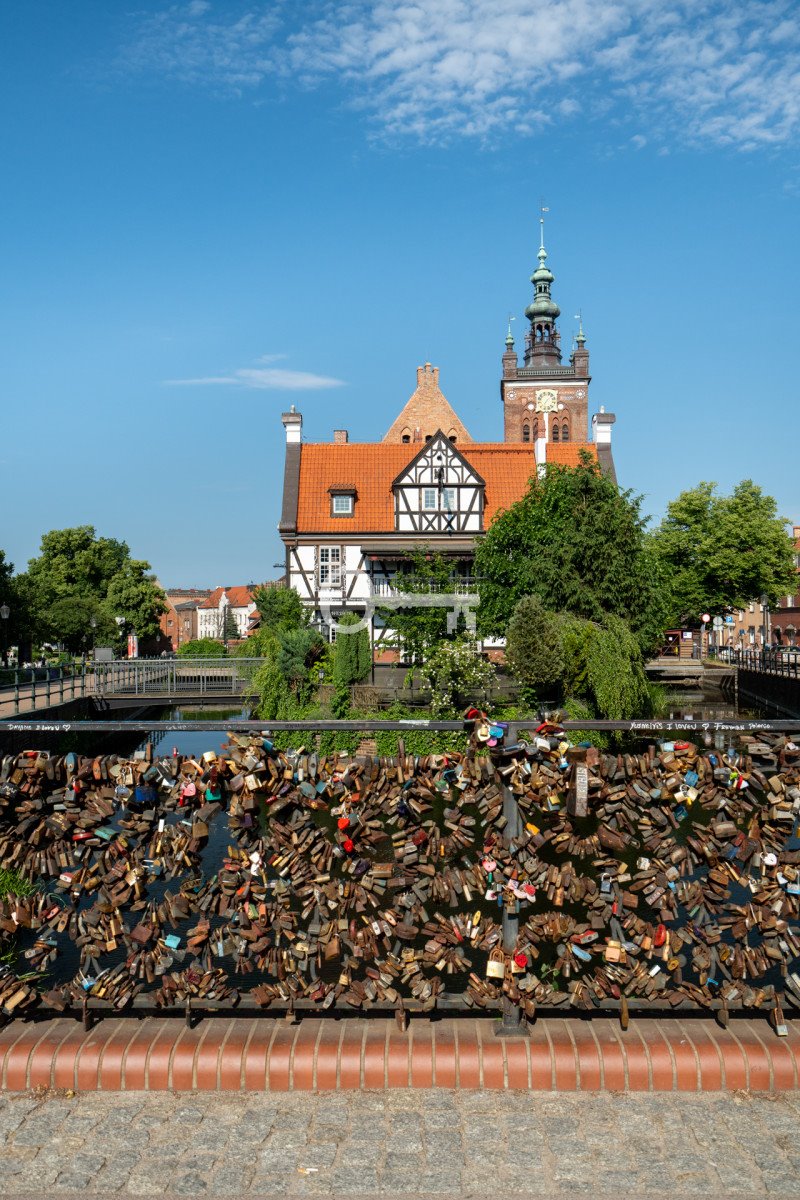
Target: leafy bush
x=202, y=648
x=351, y=657
x=534, y=648
x=455, y=672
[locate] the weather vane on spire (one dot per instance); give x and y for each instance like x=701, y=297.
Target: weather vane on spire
x=543, y=208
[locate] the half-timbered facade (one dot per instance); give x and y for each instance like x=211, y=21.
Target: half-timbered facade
x=438, y=492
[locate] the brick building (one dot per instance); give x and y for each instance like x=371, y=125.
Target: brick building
x=179, y=623
x=781, y=624
x=353, y=512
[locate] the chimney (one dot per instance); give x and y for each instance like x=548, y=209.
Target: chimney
x=293, y=424
x=340, y=437
x=427, y=376
x=601, y=427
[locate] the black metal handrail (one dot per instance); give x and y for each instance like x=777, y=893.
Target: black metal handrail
x=784, y=662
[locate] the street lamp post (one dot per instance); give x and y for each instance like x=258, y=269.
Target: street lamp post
x=5, y=613
x=93, y=623
x=765, y=622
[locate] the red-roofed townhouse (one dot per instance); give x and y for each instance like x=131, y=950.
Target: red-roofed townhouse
x=238, y=601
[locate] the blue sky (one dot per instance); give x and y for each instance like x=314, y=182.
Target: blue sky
x=300, y=203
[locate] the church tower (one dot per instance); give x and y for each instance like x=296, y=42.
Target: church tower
x=545, y=400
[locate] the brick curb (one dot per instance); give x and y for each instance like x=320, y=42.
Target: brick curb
x=263, y=1054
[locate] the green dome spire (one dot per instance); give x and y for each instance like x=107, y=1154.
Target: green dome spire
x=543, y=306
x=542, y=344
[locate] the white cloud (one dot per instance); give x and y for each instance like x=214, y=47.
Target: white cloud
x=720, y=72
x=264, y=378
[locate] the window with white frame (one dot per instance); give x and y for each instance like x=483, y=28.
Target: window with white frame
x=434, y=499
x=343, y=505
x=330, y=566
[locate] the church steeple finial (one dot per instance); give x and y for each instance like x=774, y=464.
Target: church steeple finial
x=581, y=338
x=509, y=335
x=543, y=342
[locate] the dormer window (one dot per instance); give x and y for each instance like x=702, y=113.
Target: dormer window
x=343, y=499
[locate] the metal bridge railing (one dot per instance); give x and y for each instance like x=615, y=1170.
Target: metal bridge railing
x=784, y=662
x=175, y=677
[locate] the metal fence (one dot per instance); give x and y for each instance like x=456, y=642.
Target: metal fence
x=26, y=690
x=768, y=662
x=175, y=677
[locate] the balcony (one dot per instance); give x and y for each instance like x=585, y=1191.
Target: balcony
x=462, y=585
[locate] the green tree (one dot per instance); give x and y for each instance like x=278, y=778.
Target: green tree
x=14, y=628
x=284, y=683
x=561, y=657
x=133, y=593
x=456, y=672
x=298, y=649
x=229, y=630
x=280, y=608
x=76, y=571
x=351, y=654
x=720, y=552
x=578, y=542
x=534, y=648
x=419, y=630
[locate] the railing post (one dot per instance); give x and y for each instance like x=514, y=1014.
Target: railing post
x=61, y=685
x=511, y=1023
x=16, y=693
x=47, y=693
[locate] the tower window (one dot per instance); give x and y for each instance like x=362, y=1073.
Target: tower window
x=555, y=432
x=526, y=432
x=406, y=437
x=565, y=432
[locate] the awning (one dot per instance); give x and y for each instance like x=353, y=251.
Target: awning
x=404, y=550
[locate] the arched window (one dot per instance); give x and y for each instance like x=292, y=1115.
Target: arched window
x=452, y=435
x=555, y=431
x=565, y=432
x=526, y=432
x=406, y=437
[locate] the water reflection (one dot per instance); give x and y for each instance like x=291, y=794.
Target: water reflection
x=192, y=744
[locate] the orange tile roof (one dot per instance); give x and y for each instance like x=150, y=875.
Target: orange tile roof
x=238, y=597
x=567, y=454
x=373, y=466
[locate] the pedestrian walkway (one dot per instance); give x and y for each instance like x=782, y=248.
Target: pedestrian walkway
x=437, y=1143
x=234, y=1054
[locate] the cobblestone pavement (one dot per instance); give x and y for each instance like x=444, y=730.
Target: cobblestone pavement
x=435, y=1143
